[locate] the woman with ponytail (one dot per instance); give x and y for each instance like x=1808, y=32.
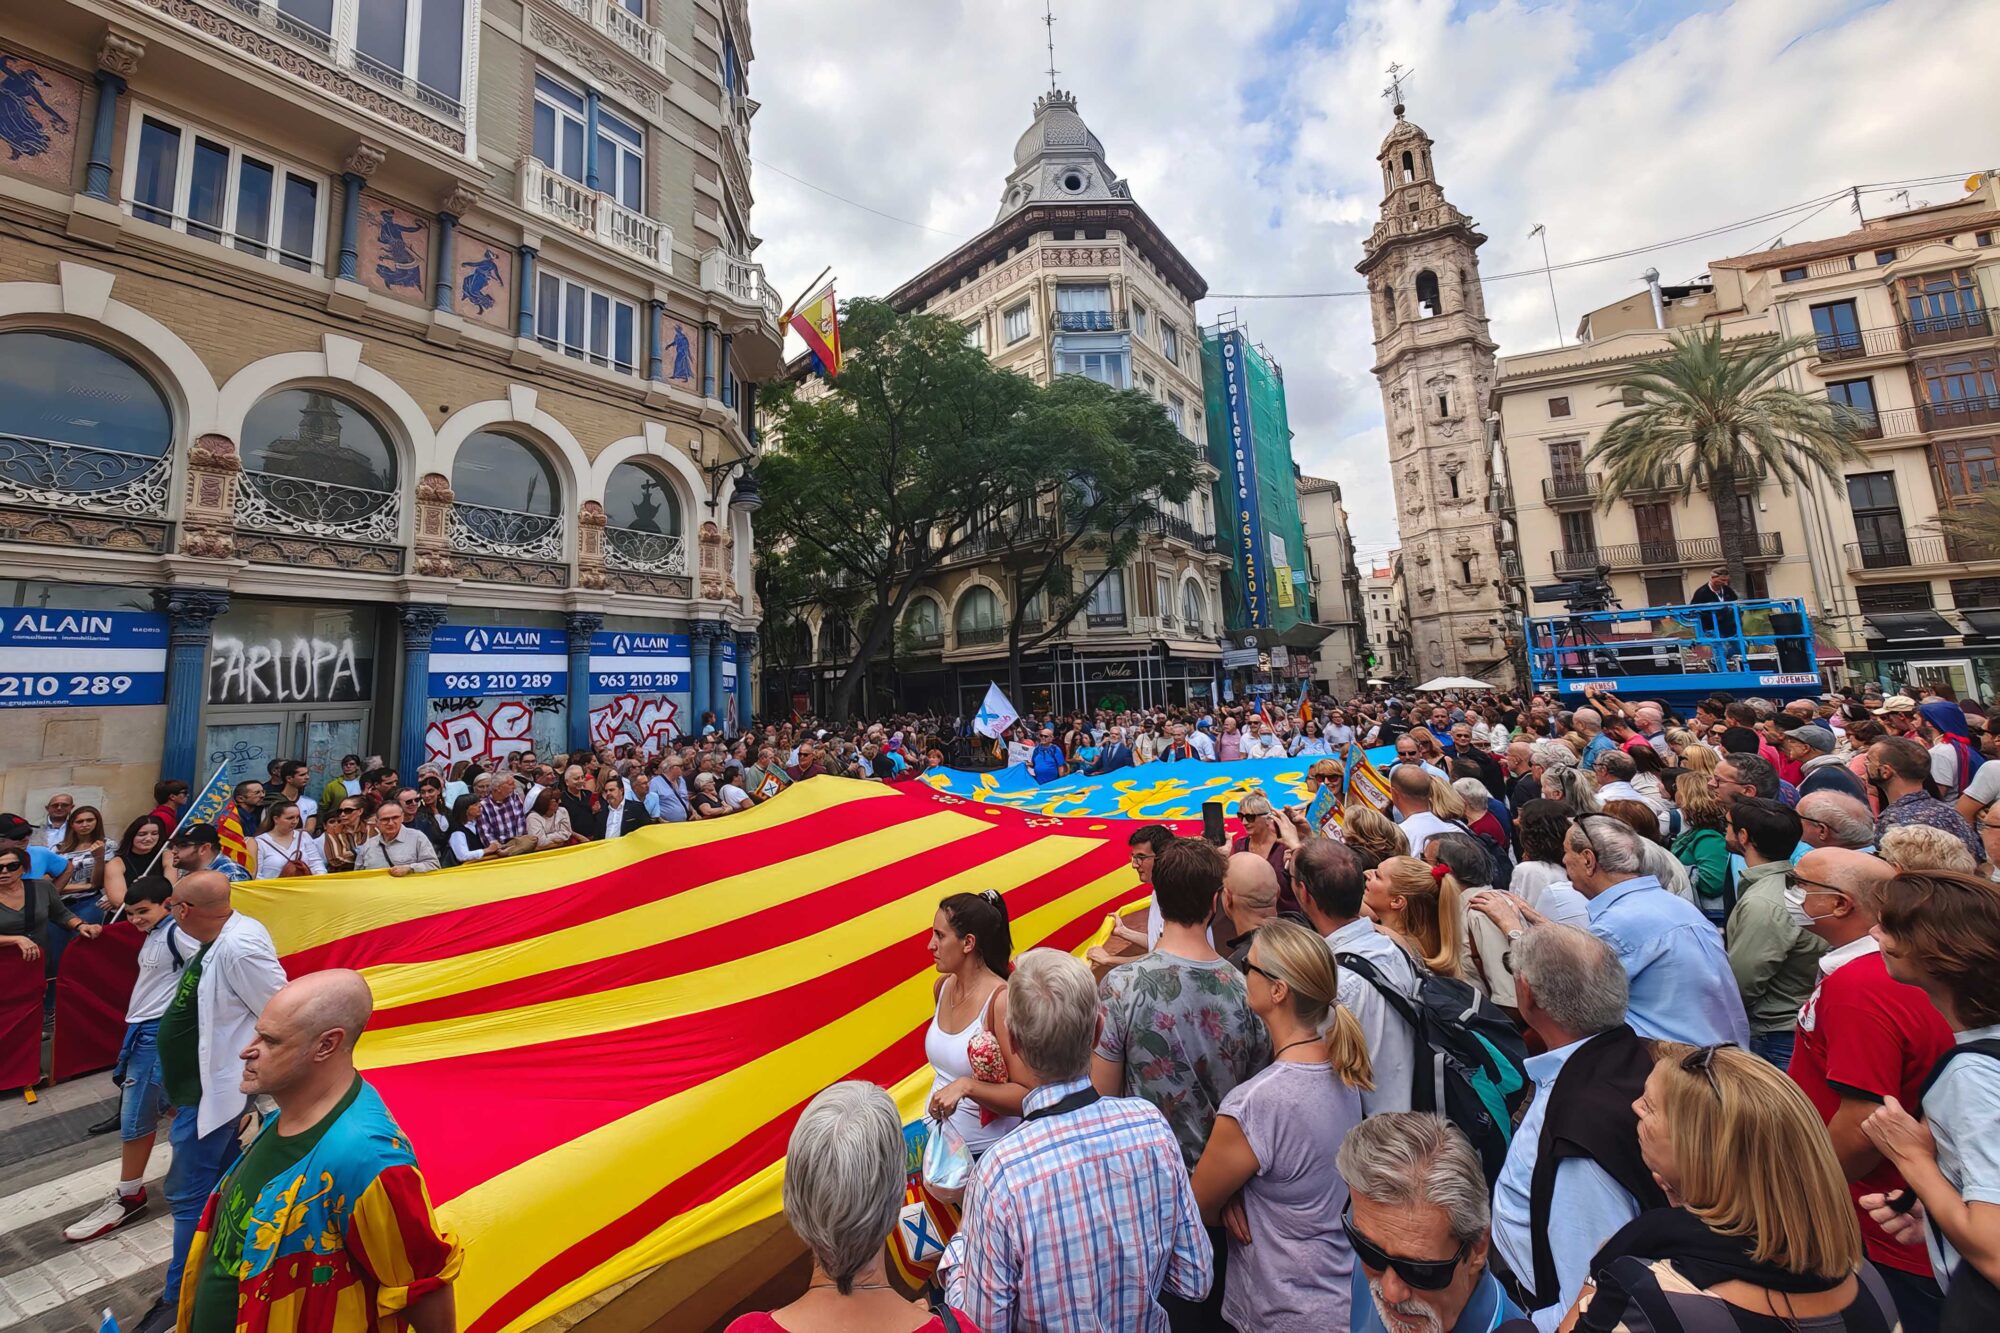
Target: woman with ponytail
x=1423, y=906
x=1268, y=1173
x=967, y=1041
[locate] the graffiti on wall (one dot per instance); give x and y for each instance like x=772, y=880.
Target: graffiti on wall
x=484, y=731
x=647, y=722
x=276, y=670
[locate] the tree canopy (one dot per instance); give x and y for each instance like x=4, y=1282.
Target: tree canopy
x=923, y=451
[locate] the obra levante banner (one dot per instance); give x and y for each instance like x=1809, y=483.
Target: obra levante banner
x=1250, y=549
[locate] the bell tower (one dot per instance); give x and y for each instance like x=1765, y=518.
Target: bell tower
x=1434, y=363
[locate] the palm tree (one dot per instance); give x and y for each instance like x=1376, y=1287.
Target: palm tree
x=1972, y=529
x=1719, y=413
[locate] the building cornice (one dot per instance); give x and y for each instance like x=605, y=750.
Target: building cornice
x=1125, y=215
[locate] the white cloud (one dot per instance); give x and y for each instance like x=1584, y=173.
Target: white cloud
x=1615, y=124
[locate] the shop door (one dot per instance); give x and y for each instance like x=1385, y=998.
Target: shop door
x=247, y=741
x=1955, y=672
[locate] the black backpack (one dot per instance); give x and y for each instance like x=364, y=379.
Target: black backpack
x=1496, y=852
x=1471, y=1061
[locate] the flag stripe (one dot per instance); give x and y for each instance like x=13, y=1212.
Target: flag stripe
x=568, y=887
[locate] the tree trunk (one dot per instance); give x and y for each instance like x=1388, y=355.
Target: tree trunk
x=1729, y=527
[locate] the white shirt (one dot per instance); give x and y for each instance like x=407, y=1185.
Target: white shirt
x=309, y=809
x=614, y=819
x=1944, y=770
x=1625, y=791
x=273, y=852
x=1392, y=1043
x=53, y=833
x=166, y=950
x=1264, y=747
x=1202, y=745
x=1421, y=827
x=733, y=796
x=238, y=978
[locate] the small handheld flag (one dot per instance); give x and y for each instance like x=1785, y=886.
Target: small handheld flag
x=817, y=320
x=995, y=714
x=213, y=806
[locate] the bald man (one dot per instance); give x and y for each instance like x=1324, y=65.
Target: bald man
x=206, y=1024
x=1863, y=1037
x=1249, y=899
x=332, y=1150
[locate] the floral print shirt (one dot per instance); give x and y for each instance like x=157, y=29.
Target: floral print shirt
x=1184, y=1032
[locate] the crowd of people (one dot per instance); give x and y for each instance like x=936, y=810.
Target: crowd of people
x=1603, y=1019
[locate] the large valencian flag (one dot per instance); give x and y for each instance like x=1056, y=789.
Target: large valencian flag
x=599, y=1052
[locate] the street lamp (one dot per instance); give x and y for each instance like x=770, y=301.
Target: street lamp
x=745, y=497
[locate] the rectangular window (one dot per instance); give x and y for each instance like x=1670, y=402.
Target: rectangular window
x=1838, y=328
x=214, y=191
x=1663, y=590
x=1959, y=379
x=1558, y=407
x=1138, y=319
x=1967, y=466
x=590, y=325
x=1170, y=342
x=1106, y=367
x=1083, y=308
x=1792, y=274
x=1982, y=239
x=1566, y=460
x=561, y=121
x=1858, y=397
x=1894, y=596
x=1176, y=409
x=1107, y=600
x=1579, y=533
x=1967, y=594
x=1656, y=533
x=1163, y=598
x=621, y=160
x=975, y=335
x=1885, y=256
x=1878, y=520
x=421, y=41
x=1018, y=326
x=1943, y=307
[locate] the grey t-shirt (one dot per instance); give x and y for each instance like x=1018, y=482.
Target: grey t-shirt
x=1294, y=1275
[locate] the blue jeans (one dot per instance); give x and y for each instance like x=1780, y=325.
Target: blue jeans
x=138, y=1075
x=199, y=1162
x=1775, y=1046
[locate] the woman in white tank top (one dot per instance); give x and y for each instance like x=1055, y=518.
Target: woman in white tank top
x=970, y=945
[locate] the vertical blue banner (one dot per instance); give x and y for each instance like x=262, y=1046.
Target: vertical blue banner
x=1249, y=525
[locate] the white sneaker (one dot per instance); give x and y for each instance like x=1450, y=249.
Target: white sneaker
x=107, y=1217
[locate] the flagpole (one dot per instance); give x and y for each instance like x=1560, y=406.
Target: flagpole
x=811, y=287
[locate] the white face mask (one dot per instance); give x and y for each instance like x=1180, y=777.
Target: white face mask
x=1795, y=907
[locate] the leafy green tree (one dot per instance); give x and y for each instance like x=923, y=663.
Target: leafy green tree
x=1720, y=414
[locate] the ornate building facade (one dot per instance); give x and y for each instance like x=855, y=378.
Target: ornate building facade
x=373, y=379
x=1434, y=360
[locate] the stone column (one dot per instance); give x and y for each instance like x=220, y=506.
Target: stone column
x=708, y=332
x=208, y=516
x=746, y=692
x=117, y=61
x=434, y=499
x=447, y=233
x=581, y=625
x=419, y=620
x=591, y=174
x=656, y=338
x=590, y=524
x=524, y=293
x=191, y=614
x=362, y=163
x=702, y=637
x=728, y=374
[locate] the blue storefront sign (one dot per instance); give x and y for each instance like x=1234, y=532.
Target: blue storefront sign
x=1249, y=525
x=479, y=661
x=52, y=658
x=622, y=660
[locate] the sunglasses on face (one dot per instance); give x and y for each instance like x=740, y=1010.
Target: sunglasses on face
x=1420, y=1274
x=11, y=867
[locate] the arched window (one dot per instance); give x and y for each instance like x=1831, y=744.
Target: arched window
x=79, y=420
x=1428, y=301
x=642, y=515
x=319, y=464
x=507, y=499
x=925, y=622
x=978, y=616
x=1409, y=166
x=1389, y=303
x=1194, y=607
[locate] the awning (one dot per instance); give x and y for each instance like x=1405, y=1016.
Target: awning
x=1901, y=625
x=1981, y=621
x=1305, y=634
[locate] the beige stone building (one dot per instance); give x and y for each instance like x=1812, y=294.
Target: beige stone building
x=1072, y=278
x=1341, y=662
x=1899, y=311
x=1388, y=633
x=373, y=379
x=1434, y=362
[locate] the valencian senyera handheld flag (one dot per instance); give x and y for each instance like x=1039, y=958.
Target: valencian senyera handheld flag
x=817, y=320
x=598, y=1052
x=212, y=806
x=1161, y=790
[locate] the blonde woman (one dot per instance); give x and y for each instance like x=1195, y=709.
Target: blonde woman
x=1290, y=1264
x=1920, y=848
x=1700, y=760
x=1372, y=835
x=1762, y=1223
x=1265, y=834
x=1424, y=907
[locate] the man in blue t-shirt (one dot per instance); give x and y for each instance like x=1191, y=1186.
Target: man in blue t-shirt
x=1047, y=762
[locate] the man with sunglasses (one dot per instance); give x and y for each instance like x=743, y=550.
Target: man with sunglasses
x=1417, y=1216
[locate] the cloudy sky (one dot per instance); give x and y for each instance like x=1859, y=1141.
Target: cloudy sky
x=1248, y=131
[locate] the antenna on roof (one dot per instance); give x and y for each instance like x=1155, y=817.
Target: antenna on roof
x=1049, y=22
x=1394, y=92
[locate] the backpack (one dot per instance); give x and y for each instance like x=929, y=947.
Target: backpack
x=1475, y=1073
x=1675, y=1306
x=1496, y=852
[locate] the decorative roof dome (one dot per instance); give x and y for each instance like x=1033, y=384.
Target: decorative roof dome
x=1057, y=126
x=1401, y=134
x=1059, y=160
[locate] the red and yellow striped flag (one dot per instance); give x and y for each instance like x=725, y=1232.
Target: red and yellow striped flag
x=229, y=833
x=599, y=1052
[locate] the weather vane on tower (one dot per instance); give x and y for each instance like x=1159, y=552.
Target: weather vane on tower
x=1049, y=22
x=1394, y=91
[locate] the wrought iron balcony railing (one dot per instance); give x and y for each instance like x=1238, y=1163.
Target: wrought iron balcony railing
x=1665, y=554
x=1088, y=321
x=981, y=634
x=645, y=552
x=274, y=502
x=56, y=475
x=1911, y=551
x=507, y=533
x=1857, y=344
x=1982, y=410
x=1956, y=326
x=1574, y=487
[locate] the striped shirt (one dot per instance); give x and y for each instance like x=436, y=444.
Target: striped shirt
x=1077, y=1221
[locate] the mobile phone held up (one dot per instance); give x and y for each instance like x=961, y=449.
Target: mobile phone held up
x=1211, y=824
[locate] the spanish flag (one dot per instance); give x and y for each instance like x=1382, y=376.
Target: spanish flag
x=817, y=320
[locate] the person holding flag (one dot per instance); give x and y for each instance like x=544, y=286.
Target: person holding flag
x=995, y=713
